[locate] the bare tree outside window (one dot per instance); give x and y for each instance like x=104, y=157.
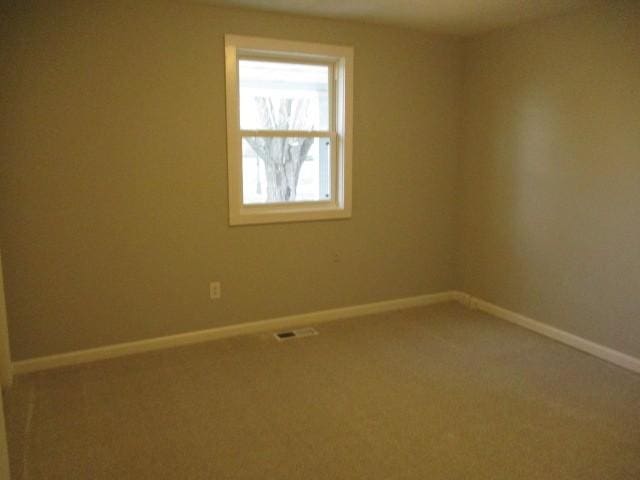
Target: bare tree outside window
x=282, y=156
x=276, y=98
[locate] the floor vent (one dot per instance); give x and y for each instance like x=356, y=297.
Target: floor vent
x=299, y=333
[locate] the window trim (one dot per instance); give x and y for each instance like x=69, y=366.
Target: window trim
x=340, y=130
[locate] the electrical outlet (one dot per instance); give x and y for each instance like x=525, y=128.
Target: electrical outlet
x=214, y=290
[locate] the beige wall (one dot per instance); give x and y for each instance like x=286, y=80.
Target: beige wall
x=113, y=197
x=551, y=172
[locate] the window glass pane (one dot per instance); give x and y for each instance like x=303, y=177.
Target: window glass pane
x=283, y=96
x=286, y=169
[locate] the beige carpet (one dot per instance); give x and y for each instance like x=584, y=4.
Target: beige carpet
x=430, y=393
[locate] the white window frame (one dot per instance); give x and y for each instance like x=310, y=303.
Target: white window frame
x=340, y=59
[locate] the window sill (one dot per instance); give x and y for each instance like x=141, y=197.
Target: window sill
x=265, y=215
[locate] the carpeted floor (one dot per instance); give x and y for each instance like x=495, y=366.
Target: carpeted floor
x=430, y=393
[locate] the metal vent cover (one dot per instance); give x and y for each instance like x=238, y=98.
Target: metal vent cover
x=298, y=333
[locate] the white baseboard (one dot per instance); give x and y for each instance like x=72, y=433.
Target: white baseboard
x=595, y=349
x=129, y=348
x=293, y=321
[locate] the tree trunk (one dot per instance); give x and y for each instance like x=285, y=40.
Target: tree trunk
x=282, y=156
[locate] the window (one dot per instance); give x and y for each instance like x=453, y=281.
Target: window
x=288, y=130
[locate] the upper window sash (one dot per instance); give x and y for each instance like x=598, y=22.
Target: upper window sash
x=265, y=86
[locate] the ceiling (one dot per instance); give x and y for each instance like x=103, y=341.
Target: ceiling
x=463, y=17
